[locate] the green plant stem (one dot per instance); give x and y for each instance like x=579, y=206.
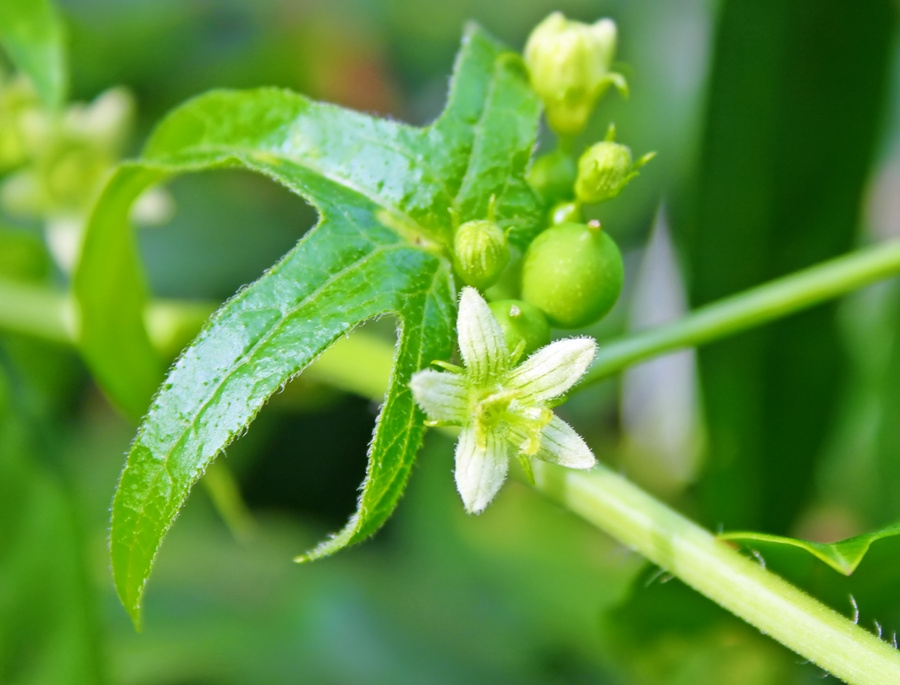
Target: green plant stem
x=750, y=308
x=360, y=363
x=223, y=490
x=49, y=314
x=715, y=569
x=36, y=311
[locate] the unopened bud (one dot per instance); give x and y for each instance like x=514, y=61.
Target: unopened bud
x=604, y=170
x=481, y=252
x=568, y=64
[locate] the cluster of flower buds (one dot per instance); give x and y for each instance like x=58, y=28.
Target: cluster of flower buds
x=53, y=162
x=57, y=160
x=569, y=277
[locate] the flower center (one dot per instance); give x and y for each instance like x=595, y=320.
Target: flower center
x=499, y=410
x=491, y=408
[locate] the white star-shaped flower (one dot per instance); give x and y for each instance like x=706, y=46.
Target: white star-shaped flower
x=503, y=409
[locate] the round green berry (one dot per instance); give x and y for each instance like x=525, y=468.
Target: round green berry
x=573, y=273
x=521, y=323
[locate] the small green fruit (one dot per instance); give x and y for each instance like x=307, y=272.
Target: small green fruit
x=553, y=176
x=573, y=273
x=507, y=286
x=521, y=323
x=481, y=252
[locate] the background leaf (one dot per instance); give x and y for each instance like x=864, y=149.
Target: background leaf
x=32, y=33
x=385, y=193
x=862, y=471
x=784, y=161
x=49, y=632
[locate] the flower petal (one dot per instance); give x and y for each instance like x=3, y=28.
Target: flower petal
x=481, y=341
x=560, y=444
x=441, y=395
x=480, y=469
x=553, y=369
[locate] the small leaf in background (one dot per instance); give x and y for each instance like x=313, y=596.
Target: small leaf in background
x=856, y=577
x=32, y=33
x=388, y=196
x=843, y=556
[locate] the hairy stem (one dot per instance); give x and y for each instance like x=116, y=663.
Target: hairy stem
x=717, y=570
x=750, y=308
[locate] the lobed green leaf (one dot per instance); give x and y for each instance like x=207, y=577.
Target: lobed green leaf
x=266, y=334
x=388, y=196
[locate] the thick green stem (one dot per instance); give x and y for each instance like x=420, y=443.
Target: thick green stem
x=754, y=307
x=715, y=569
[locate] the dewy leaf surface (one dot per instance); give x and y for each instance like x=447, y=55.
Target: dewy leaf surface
x=32, y=33
x=387, y=195
x=843, y=556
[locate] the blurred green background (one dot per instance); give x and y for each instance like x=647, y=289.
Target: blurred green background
x=777, y=127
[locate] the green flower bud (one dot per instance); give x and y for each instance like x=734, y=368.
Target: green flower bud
x=553, y=176
x=523, y=325
x=568, y=63
x=605, y=169
x=481, y=252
